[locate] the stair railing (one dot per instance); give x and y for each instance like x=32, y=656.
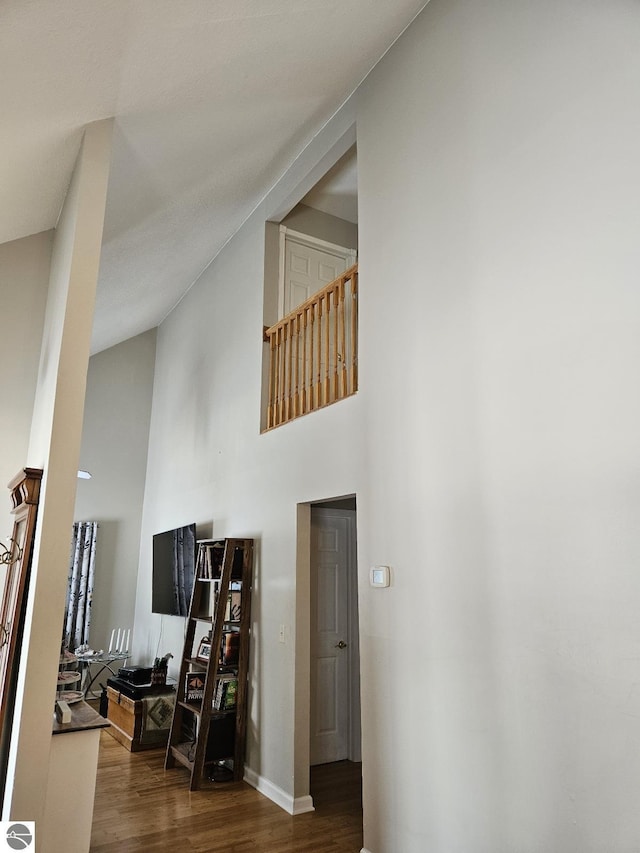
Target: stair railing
x=313, y=352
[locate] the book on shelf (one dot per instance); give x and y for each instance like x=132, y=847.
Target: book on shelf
x=211, y=556
x=194, y=687
x=209, y=559
x=233, y=609
x=230, y=648
x=226, y=692
x=234, y=606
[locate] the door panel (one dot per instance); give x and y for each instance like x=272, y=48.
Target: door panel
x=329, y=630
x=306, y=270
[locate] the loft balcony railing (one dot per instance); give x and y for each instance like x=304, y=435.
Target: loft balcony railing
x=313, y=352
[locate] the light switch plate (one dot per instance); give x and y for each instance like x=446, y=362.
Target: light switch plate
x=380, y=576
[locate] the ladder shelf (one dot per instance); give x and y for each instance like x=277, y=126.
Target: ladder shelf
x=210, y=719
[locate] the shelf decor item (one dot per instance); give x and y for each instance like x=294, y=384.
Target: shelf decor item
x=159, y=669
x=204, y=649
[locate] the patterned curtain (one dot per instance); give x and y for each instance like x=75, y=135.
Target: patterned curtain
x=81, y=571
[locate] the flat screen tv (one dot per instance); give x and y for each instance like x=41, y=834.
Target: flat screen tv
x=174, y=559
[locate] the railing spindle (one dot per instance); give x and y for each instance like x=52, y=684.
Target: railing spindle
x=318, y=330
x=343, y=342
x=354, y=332
x=287, y=370
x=296, y=365
x=336, y=311
x=327, y=328
x=284, y=376
x=272, y=381
x=304, y=363
x=276, y=399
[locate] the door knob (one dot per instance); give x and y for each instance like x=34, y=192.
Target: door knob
x=341, y=645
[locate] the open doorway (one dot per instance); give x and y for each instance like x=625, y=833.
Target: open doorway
x=328, y=735
x=310, y=298
x=334, y=731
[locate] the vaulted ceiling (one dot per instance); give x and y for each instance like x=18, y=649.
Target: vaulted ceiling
x=213, y=99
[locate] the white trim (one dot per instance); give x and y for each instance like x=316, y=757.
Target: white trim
x=344, y=252
x=355, y=710
x=291, y=805
x=281, y=263
x=316, y=243
x=301, y=805
x=364, y=850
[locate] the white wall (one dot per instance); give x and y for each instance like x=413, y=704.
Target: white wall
x=492, y=447
x=24, y=278
x=115, y=437
x=497, y=155
x=208, y=463
x=322, y=225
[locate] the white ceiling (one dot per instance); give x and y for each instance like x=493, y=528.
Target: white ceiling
x=213, y=99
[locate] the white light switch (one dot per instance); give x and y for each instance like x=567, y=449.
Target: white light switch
x=379, y=576
x=282, y=633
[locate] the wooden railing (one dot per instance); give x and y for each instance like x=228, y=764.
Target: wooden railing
x=313, y=352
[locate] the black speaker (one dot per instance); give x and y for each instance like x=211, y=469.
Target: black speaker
x=222, y=737
x=104, y=702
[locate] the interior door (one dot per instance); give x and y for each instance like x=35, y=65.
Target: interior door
x=309, y=265
x=307, y=269
x=330, y=676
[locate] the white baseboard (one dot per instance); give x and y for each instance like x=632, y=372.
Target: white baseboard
x=293, y=806
x=303, y=804
x=364, y=850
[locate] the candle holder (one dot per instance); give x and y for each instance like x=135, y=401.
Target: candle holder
x=120, y=641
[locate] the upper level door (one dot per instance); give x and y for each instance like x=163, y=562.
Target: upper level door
x=308, y=264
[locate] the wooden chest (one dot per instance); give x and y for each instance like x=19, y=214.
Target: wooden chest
x=139, y=723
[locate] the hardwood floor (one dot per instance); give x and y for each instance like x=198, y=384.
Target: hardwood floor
x=141, y=807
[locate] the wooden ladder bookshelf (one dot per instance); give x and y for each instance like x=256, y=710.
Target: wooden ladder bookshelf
x=208, y=730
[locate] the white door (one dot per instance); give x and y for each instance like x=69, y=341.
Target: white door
x=307, y=265
x=334, y=659
x=308, y=268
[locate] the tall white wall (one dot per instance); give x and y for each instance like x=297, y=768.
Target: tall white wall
x=24, y=278
x=115, y=437
x=499, y=221
x=209, y=463
x=492, y=446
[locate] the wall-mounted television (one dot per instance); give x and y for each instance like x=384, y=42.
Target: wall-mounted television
x=174, y=559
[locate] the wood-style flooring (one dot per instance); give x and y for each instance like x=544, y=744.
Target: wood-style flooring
x=141, y=807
